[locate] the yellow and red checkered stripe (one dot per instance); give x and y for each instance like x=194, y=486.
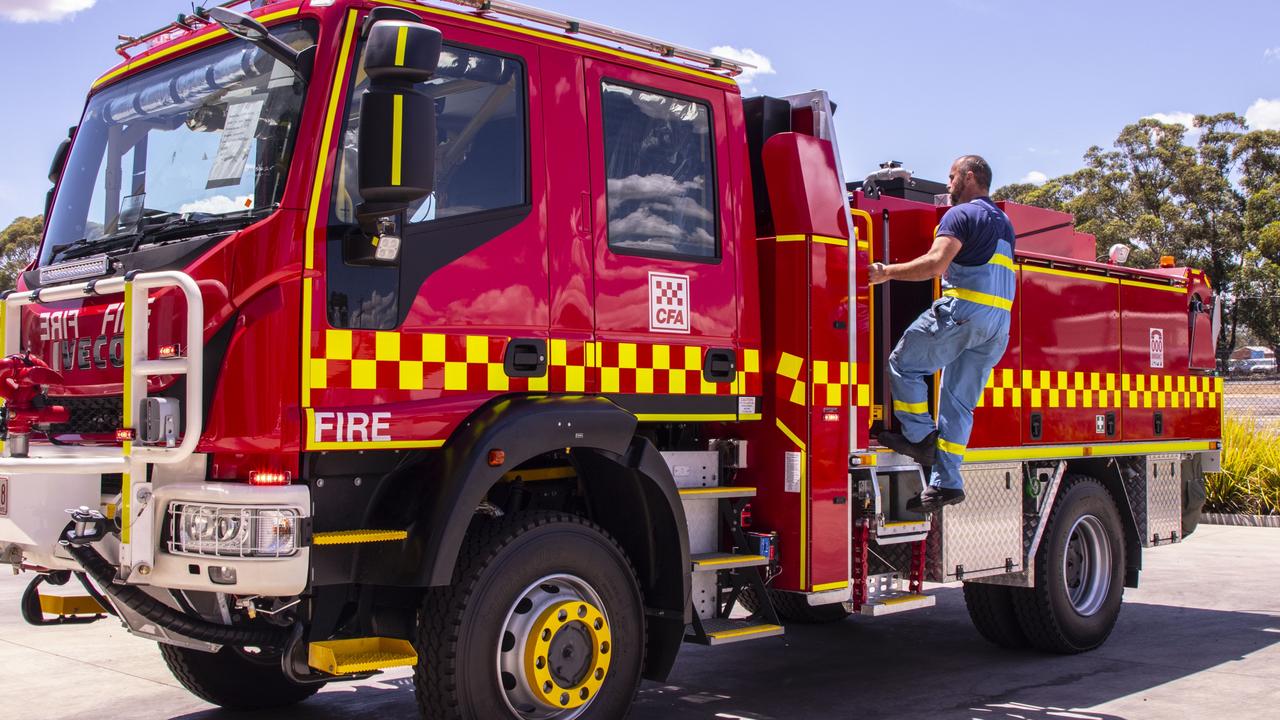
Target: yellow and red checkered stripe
x=378, y=360
x=829, y=380
x=1077, y=389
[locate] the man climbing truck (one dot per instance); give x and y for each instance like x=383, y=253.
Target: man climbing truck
x=965, y=331
x=519, y=349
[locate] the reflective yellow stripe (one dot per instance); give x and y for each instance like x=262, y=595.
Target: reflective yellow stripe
x=1067, y=273
x=686, y=417
x=831, y=241
x=920, y=408
x=753, y=630
x=1002, y=260
x=981, y=298
x=947, y=446
x=790, y=238
x=397, y=138
x=401, y=39
x=831, y=586
x=1065, y=451
x=1150, y=286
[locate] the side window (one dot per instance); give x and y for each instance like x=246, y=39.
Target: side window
x=480, y=138
x=660, y=174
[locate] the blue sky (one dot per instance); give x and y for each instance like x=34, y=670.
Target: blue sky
x=1030, y=85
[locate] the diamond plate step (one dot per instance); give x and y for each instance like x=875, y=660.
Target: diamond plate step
x=725, y=632
x=711, y=562
x=897, y=602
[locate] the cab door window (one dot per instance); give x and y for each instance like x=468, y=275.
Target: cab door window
x=659, y=174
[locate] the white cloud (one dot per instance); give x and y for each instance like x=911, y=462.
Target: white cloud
x=218, y=205
x=1035, y=177
x=28, y=11
x=1263, y=115
x=1271, y=54
x=763, y=65
x=1184, y=119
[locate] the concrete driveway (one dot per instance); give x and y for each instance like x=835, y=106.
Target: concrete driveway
x=1199, y=639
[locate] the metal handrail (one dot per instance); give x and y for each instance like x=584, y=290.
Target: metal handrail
x=137, y=368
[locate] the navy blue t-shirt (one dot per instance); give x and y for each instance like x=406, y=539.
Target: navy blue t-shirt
x=978, y=225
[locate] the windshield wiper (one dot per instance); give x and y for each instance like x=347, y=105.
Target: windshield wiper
x=153, y=231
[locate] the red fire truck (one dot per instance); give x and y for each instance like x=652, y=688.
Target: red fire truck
x=521, y=350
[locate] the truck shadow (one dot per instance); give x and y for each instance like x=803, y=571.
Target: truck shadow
x=929, y=663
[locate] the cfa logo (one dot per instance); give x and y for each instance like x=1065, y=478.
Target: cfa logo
x=352, y=427
x=668, y=303
x=1157, y=348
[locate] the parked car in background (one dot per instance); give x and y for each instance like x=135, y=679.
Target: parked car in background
x=1253, y=360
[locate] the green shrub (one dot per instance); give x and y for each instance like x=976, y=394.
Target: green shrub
x=1249, y=483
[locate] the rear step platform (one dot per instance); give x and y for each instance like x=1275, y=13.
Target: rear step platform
x=891, y=603
x=706, y=562
x=720, y=631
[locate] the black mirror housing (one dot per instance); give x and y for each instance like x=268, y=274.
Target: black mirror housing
x=397, y=152
x=402, y=51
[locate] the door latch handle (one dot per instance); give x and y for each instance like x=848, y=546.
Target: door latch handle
x=720, y=366
x=526, y=358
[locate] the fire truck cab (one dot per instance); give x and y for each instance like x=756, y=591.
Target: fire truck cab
x=521, y=350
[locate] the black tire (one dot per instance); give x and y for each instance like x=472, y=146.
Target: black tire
x=1046, y=613
x=794, y=608
x=991, y=610
x=461, y=625
x=231, y=679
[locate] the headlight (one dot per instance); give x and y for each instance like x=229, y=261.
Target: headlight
x=232, y=531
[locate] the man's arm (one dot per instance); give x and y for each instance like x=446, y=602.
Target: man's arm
x=926, y=267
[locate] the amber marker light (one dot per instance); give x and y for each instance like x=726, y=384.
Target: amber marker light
x=497, y=457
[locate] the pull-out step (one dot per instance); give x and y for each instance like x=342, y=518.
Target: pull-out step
x=716, y=561
x=360, y=655
x=896, y=602
x=721, y=631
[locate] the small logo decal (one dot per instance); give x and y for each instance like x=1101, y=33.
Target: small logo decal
x=1157, y=348
x=668, y=303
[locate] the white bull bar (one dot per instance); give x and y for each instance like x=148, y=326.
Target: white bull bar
x=138, y=512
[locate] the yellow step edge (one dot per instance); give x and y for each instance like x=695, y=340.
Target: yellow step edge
x=360, y=655
x=902, y=599
x=904, y=523
x=355, y=537
x=727, y=491
x=66, y=606
x=739, y=632
x=729, y=560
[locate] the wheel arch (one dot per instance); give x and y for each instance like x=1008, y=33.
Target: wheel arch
x=1110, y=472
x=626, y=485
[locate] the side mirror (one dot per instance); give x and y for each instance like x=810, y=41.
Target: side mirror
x=397, y=148
x=60, y=157
x=1118, y=254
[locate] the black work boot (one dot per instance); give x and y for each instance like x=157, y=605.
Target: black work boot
x=923, y=452
x=934, y=499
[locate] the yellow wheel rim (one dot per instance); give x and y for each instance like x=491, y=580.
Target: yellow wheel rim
x=537, y=660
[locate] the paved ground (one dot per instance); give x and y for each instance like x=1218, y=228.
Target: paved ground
x=1200, y=639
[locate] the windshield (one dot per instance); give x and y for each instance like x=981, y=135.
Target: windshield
x=202, y=139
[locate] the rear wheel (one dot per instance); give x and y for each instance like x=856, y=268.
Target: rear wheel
x=235, y=678
x=991, y=609
x=544, y=621
x=1079, y=572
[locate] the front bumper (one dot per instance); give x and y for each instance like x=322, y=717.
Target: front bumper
x=37, y=516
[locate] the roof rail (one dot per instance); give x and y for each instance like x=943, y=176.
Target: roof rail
x=184, y=25
x=575, y=26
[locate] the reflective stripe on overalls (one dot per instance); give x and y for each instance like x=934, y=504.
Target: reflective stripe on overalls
x=964, y=334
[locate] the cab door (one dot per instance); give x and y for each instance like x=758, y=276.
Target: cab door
x=666, y=308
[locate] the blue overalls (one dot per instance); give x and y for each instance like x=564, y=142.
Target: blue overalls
x=964, y=334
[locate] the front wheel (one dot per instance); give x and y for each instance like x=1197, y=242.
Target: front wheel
x=544, y=621
x=1079, y=572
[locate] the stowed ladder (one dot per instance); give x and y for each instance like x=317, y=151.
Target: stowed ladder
x=896, y=537
x=720, y=578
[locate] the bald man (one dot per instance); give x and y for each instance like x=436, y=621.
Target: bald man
x=963, y=333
